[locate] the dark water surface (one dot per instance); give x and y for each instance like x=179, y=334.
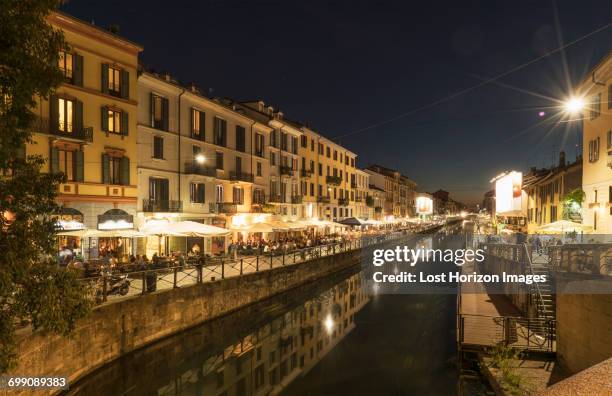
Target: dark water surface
x=332, y=337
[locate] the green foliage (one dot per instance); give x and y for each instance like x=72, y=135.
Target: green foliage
x=33, y=289
x=576, y=195
x=502, y=358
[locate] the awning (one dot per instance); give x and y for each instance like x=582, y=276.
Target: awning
x=565, y=226
x=256, y=227
x=353, y=221
x=88, y=233
x=184, y=228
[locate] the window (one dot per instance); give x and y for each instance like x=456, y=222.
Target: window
x=67, y=164
x=328, y=152
x=158, y=147
x=273, y=139
x=240, y=138
x=312, y=166
x=594, y=150
x=219, y=160
x=197, y=192
x=159, y=112
x=312, y=189
x=609, y=135
x=304, y=139
x=66, y=64
x=66, y=108
x=115, y=170
x=321, y=150
x=114, y=121
x=595, y=106
x=312, y=145
x=610, y=96
x=273, y=159
x=198, y=119
x=320, y=169
x=238, y=167
x=158, y=189
x=219, y=193
x=259, y=169
x=238, y=195
x=259, y=145
x=294, y=145
x=335, y=155
x=284, y=141
x=220, y=132
x=259, y=376
x=114, y=81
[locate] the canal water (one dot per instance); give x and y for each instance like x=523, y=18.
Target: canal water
x=338, y=336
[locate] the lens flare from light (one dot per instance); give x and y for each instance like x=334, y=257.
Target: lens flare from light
x=574, y=105
x=200, y=158
x=329, y=324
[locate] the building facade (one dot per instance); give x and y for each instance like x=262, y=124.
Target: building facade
x=400, y=191
x=87, y=128
x=596, y=89
x=546, y=190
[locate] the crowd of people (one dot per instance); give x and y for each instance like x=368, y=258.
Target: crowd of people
x=282, y=245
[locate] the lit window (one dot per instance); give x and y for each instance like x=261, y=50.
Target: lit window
x=65, y=115
x=114, y=121
x=65, y=63
x=67, y=164
x=114, y=81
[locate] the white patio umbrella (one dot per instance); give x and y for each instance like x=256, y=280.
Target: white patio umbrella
x=186, y=229
x=565, y=226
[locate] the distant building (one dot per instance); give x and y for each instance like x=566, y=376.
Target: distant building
x=378, y=201
x=488, y=202
x=400, y=191
x=546, y=189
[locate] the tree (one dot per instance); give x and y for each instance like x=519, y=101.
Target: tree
x=33, y=289
x=572, y=202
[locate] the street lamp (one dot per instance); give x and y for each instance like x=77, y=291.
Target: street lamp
x=200, y=158
x=573, y=105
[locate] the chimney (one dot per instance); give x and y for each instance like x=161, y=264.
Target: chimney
x=561, y=159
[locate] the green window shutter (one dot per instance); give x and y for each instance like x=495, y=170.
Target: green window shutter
x=77, y=116
x=54, y=161
x=77, y=70
x=104, y=118
x=124, y=123
x=104, y=78
x=125, y=171
x=165, y=113
x=202, y=125
x=79, y=174
x=105, y=169
x=53, y=113
x=125, y=84
x=191, y=122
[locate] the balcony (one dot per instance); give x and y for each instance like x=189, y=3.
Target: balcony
x=223, y=207
x=378, y=209
x=70, y=131
x=358, y=199
x=194, y=168
x=323, y=199
x=333, y=180
x=286, y=171
x=241, y=176
x=158, y=205
x=276, y=199
x=343, y=201
x=306, y=173
x=296, y=199
x=369, y=201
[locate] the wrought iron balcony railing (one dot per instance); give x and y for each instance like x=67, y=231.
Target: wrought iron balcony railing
x=65, y=130
x=286, y=171
x=296, y=199
x=223, y=207
x=306, y=173
x=334, y=180
x=276, y=199
x=158, y=205
x=324, y=199
x=343, y=201
x=241, y=176
x=194, y=168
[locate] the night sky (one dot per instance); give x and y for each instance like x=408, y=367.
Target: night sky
x=353, y=67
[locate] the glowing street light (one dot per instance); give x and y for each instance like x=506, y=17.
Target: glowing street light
x=200, y=158
x=573, y=105
x=329, y=324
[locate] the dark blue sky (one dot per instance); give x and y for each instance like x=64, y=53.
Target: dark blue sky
x=342, y=66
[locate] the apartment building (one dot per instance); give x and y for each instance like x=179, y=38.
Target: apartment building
x=546, y=190
x=400, y=191
x=87, y=128
x=378, y=197
x=199, y=159
x=363, y=204
x=596, y=89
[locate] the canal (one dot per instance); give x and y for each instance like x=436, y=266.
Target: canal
x=335, y=337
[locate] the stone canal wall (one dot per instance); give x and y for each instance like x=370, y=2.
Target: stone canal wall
x=121, y=327
x=584, y=323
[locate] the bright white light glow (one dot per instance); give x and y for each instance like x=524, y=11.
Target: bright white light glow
x=424, y=205
x=115, y=225
x=329, y=324
x=508, y=193
x=574, y=105
x=200, y=158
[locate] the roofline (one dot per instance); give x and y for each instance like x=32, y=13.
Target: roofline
x=70, y=22
x=602, y=61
